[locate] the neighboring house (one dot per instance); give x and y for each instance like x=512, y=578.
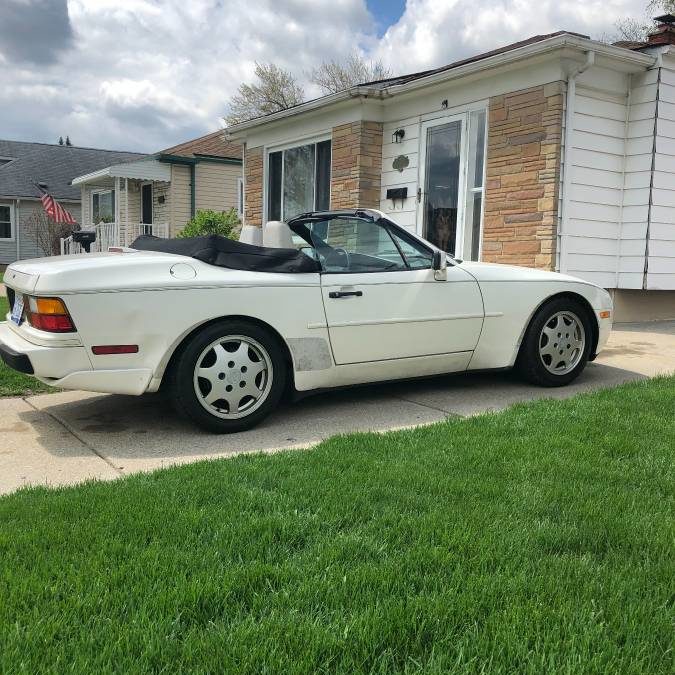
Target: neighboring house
x=158, y=194
x=22, y=166
x=555, y=152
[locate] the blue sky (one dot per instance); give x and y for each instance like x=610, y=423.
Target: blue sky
x=385, y=12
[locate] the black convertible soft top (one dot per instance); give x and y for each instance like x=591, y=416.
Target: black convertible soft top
x=222, y=252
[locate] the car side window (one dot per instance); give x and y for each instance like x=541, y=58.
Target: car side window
x=355, y=245
x=417, y=256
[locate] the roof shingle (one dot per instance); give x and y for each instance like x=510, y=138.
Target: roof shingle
x=54, y=165
x=214, y=145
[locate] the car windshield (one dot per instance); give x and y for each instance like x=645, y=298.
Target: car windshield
x=345, y=243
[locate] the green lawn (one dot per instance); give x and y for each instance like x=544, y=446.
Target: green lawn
x=536, y=540
x=11, y=382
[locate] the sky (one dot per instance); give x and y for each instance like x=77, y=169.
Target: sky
x=143, y=75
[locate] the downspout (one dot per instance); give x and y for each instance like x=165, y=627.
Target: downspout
x=567, y=166
x=652, y=170
x=193, y=188
x=17, y=227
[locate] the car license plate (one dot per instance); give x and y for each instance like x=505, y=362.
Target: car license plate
x=17, y=310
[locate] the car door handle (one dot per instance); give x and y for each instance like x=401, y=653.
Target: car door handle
x=344, y=294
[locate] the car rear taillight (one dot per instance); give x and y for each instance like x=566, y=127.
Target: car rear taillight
x=49, y=314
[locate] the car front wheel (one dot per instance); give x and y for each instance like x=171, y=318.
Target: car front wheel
x=557, y=344
x=229, y=376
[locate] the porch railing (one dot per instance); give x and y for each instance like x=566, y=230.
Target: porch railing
x=114, y=234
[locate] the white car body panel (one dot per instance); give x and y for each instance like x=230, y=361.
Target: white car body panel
x=406, y=323
x=415, y=314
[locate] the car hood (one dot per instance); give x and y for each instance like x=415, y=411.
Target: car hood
x=498, y=272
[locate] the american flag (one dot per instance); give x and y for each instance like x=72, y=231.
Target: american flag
x=55, y=211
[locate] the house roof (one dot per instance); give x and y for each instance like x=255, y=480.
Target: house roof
x=403, y=79
x=511, y=53
x=53, y=165
x=212, y=145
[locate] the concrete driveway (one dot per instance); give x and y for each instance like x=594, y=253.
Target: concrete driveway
x=68, y=437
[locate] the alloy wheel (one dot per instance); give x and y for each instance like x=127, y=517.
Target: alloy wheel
x=561, y=342
x=233, y=376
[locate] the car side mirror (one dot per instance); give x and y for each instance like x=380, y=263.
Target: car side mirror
x=439, y=264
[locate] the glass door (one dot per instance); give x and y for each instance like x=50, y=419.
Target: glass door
x=441, y=199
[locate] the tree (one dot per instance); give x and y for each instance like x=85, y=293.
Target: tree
x=45, y=232
x=60, y=140
x=276, y=89
x=636, y=30
x=334, y=76
x=68, y=143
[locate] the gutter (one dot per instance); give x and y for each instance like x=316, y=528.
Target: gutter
x=567, y=165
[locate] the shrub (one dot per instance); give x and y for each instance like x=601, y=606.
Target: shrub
x=211, y=222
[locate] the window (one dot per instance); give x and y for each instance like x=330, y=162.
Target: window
x=103, y=206
x=475, y=188
x=6, y=221
x=348, y=244
x=240, y=198
x=298, y=180
x=416, y=256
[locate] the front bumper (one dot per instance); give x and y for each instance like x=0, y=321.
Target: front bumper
x=68, y=367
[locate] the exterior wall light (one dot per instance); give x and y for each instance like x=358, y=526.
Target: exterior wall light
x=398, y=136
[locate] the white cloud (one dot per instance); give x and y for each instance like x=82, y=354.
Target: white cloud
x=145, y=74
x=434, y=32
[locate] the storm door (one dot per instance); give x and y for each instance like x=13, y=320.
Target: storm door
x=146, y=203
x=441, y=198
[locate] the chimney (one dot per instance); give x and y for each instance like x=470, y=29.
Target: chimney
x=664, y=34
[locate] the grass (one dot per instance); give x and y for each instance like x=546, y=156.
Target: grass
x=536, y=540
x=13, y=383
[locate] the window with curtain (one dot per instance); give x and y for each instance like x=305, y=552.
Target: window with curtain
x=298, y=180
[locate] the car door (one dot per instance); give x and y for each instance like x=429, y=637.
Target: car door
x=382, y=300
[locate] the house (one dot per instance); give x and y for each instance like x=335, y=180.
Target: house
x=22, y=167
x=555, y=152
x=157, y=194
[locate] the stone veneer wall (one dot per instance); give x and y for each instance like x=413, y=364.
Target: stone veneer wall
x=522, y=176
x=356, y=165
x=253, y=186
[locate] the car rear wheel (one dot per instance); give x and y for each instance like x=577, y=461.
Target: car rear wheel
x=229, y=376
x=557, y=344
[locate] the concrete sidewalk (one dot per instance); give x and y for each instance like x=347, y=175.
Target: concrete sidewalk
x=64, y=438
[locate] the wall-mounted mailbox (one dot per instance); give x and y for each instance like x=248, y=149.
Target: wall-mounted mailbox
x=397, y=193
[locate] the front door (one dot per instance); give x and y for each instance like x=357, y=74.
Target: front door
x=441, y=199
x=146, y=204
x=381, y=298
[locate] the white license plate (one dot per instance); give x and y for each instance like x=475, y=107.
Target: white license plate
x=17, y=310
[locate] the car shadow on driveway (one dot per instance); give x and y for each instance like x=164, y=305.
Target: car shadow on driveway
x=143, y=433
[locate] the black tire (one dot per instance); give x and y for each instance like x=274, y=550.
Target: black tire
x=535, y=367
x=183, y=383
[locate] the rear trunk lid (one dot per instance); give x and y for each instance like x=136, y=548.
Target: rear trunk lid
x=90, y=272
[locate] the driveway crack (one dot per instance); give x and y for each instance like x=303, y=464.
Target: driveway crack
x=76, y=435
x=426, y=405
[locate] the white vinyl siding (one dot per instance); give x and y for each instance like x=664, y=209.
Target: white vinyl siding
x=594, y=202
x=661, y=245
x=217, y=186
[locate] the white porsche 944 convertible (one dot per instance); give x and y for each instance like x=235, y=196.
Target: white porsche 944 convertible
x=332, y=299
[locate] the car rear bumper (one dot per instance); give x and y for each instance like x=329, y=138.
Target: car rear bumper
x=68, y=367
x=16, y=360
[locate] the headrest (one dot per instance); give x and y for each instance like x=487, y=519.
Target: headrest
x=277, y=235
